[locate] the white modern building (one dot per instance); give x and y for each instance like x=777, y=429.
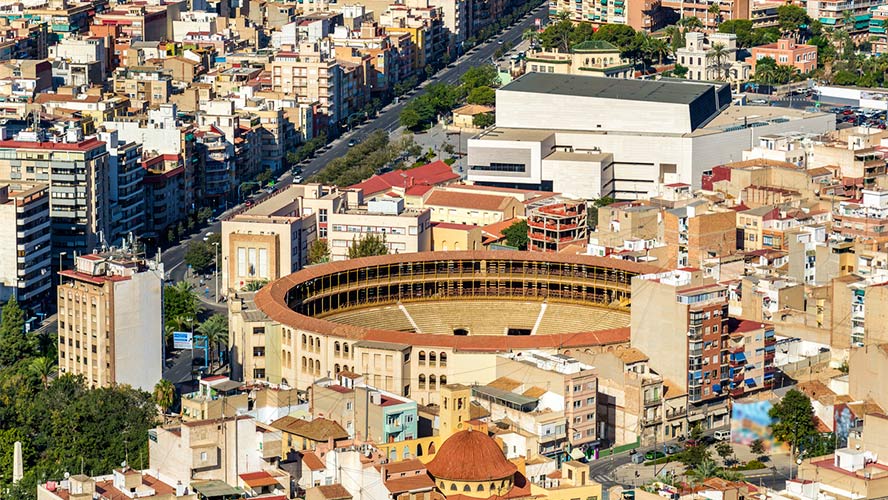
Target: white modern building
x=25, y=258
x=589, y=137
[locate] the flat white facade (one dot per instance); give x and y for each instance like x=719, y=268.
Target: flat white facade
x=649, y=143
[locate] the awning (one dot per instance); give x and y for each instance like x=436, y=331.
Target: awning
x=695, y=417
x=739, y=357
x=716, y=387
x=720, y=411
x=769, y=375
x=750, y=382
x=577, y=454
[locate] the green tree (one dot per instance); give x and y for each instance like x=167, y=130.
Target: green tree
x=844, y=77
x=14, y=342
x=794, y=420
x=516, y=235
x=592, y=214
x=319, y=251
x=724, y=449
x=620, y=35
x=215, y=329
x=557, y=36
x=740, y=27
x=484, y=120
x=199, y=255
x=695, y=455
x=757, y=447
x=179, y=301
x=44, y=369
x=791, y=18
x=368, y=246
x=409, y=118
x=164, y=395
x=680, y=71
x=532, y=35
x=485, y=96
x=480, y=76
x=690, y=23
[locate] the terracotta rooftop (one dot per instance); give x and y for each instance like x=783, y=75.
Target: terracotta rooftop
x=312, y=461
x=470, y=456
x=333, y=492
x=631, y=355
x=319, y=429
x=430, y=174
x=258, y=479
x=488, y=202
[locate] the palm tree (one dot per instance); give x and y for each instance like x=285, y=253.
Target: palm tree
x=531, y=35
x=715, y=11
x=704, y=470
x=164, y=395
x=719, y=52
x=215, y=329
x=44, y=369
x=691, y=23
x=847, y=19
x=659, y=49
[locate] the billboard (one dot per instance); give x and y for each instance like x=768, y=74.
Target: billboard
x=183, y=340
x=750, y=421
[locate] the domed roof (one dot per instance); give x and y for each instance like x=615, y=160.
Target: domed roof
x=470, y=456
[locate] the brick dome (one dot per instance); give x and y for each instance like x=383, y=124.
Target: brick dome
x=470, y=456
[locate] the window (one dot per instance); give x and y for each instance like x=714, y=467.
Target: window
x=259, y=373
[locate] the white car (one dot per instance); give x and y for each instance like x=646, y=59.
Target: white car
x=298, y=179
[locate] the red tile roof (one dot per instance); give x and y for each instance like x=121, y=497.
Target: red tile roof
x=313, y=461
x=432, y=174
x=333, y=492
x=258, y=479
x=468, y=200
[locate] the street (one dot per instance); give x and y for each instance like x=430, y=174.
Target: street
x=387, y=119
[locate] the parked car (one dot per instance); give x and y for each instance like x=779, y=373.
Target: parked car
x=638, y=458
x=707, y=440
x=672, y=449
x=653, y=455
x=352, y=143
x=298, y=179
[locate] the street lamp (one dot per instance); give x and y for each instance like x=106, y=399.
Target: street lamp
x=216, y=258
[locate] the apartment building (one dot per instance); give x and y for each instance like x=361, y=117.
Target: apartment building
x=251, y=335
x=831, y=13
x=778, y=148
x=86, y=59
x=786, y=52
x=77, y=172
x=146, y=86
x=858, y=311
x=624, y=220
x=697, y=232
x=365, y=412
x=698, y=56
x=214, y=450
x=589, y=58
x=555, y=224
x=424, y=24
x=271, y=239
x=560, y=382
x=25, y=243
x=642, y=15
x=680, y=320
x=864, y=221
x=630, y=398
x=405, y=230
x=311, y=75
x=729, y=10
x=216, y=396
x=101, y=335
x=126, y=191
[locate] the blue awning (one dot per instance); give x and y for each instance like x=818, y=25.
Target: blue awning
x=750, y=382
x=769, y=375
x=739, y=357
x=716, y=387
